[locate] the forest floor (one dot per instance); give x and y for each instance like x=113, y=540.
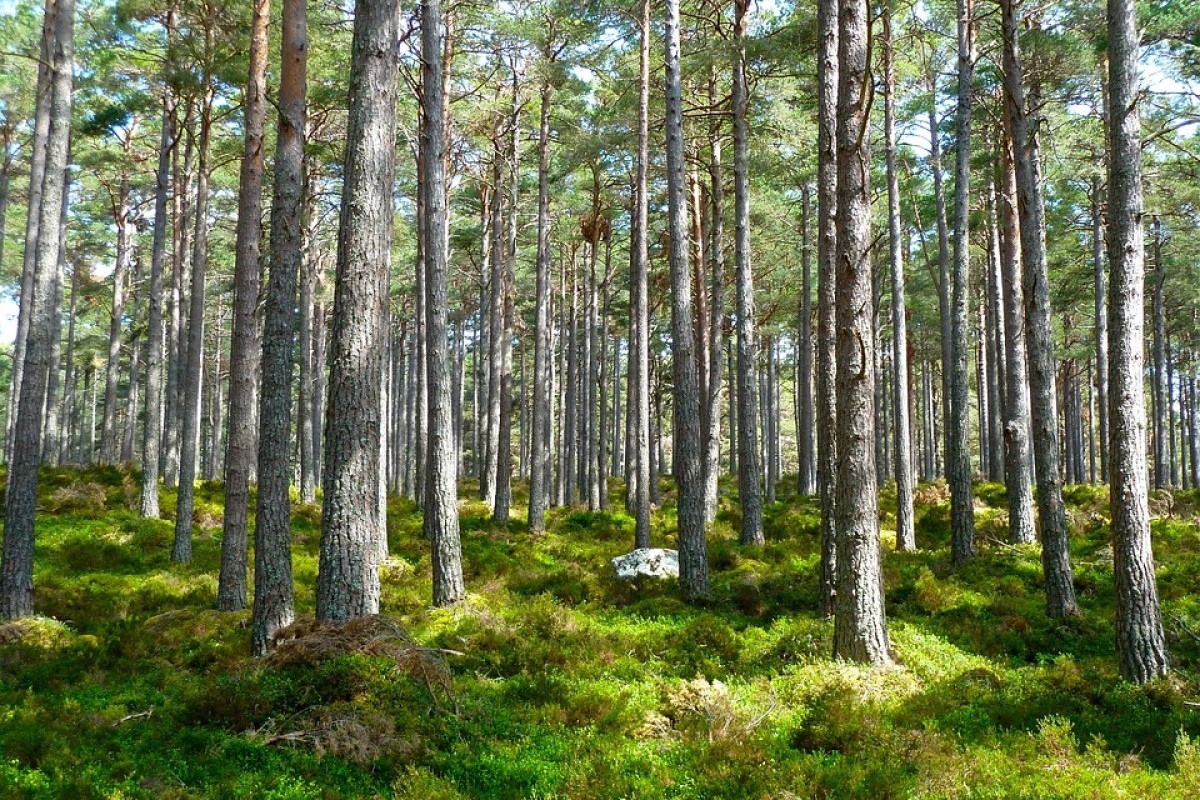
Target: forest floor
x=555, y=680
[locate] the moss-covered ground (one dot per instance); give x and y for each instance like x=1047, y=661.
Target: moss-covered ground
x=566, y=683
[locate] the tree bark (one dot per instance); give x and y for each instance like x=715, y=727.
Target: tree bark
x=905, y=534
x=1056, y=562
x=121, y=213
x=539, y=466
x=693, y=558
x=348, y=576
x=441, y=501
x=1141, y=646
x=1016, y=402
x=860, y=624
x=827, y=244
x=1101, y=322
x=16, y=561
x=273, y=601
x=181, y=550
x=958, y=451
x=749, y=477
x=245, y=348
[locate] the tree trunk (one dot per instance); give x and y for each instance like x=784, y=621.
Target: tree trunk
x=639, y=364
x=16, y=563
x=441, y=501
x=860, y=624
x=693, y=558
x=121, y=218
x=1141, y=647
x=905, y=533
x=181, y=550
x=958, y=451
x=827, y=244
x=50, y=443
x=749, y=478
x=1160, y=361
x=309, y=425
x=33, y=205
x=539, y=468
x=1056, y=562
x=273, y=603
x=1016, y=401
x=804, y=353
x=152, y=424
x=1101, y=321
x=348, y=576
x=245, y=349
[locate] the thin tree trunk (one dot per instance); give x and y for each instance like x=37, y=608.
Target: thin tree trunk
x=639, y=369
x=16, y=563
x=804, y=355
x=1016, y=401
x=958, y=451
x=121, y=218
x=152, y=424
x=1141, y=646
x=273, y=602
x=749, y=489
x=1101, y=322
x=33, y=208
x=441, y=502
x=540, y=470
x=827, y=245
x=245, y=349
x=693, y=558
x=1160, y=361
x=905, y=533
x=181, y=550
x=1056, y=562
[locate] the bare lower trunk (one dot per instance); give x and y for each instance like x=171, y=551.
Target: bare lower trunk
x=958, y=451
x=441, y=502
x=693, y=558
x=245, y=349
x=1141, y=646
x=905, y=534
x=749, y=489
x=827, y=243
x=189, y=375
x=1056, y=563
x=539, y=462
x=348, y=575
x=16, y=563
x=639, y=371
x=273, y=603
x=860, y=624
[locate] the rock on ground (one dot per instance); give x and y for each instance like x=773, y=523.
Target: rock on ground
x=650, y=562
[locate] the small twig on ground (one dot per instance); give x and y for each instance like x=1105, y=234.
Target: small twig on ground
x=139, y=715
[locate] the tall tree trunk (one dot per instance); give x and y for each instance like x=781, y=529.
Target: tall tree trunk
x=939, y=195
x=504, y=457
x=131, y=394
x=176, y=349
x=309, y=424
x=804, y=353
x=273, y=603
x=152, y=424
x=121, y=218
x=749, y=478
x=860, y=624
x=716, y=318
x=190, y=373
x=348, y=575
x=905, y=534
x=50, y=443
x=1160, y=361
x=1101, y=321
x=1141, y=646
x=693, y=558
x=245, y=349
x=827, y=244
x=958, y=451
x=16, y=562
x=996, y=354
x=639, y=364
x=1056, y=562
x=441, y=501
x=1016, y=401
x=33, y=209
x=539, y=466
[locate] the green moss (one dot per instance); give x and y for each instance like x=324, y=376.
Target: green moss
x=569, y=683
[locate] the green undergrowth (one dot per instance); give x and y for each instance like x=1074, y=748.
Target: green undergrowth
x=553, y=679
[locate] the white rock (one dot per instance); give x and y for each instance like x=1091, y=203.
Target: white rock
x=651, y=562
